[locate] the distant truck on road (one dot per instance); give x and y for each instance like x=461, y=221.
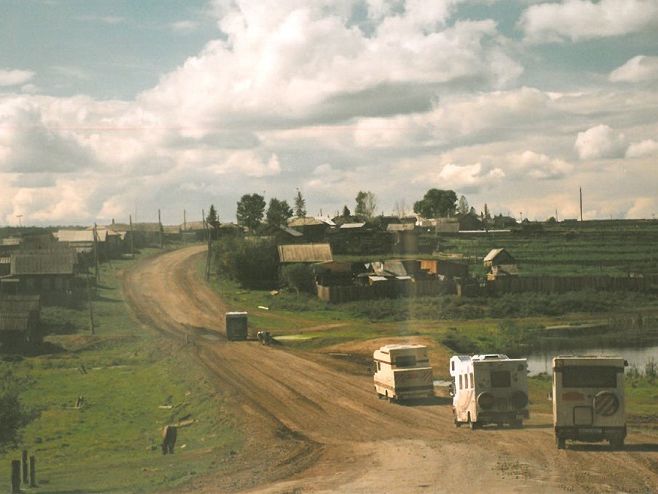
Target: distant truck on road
x=489, y=389
x=588, y=399
x=403, y=372
x=236, y=326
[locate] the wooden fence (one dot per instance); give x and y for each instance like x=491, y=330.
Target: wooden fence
x=561, y=284
x=419, y=288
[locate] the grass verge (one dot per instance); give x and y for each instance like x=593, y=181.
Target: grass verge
x=133, y=382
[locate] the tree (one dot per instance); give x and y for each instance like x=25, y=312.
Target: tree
x=400, y=208
x=366, y=203
x=251, y=208
x=278, y=212
x=213, y=221
x=463, y=207
x=300, y=205
x=12, y=414
x=436, y=203
x=346, y=212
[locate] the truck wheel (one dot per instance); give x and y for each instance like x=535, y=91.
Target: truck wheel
x=458, y=424
x=471, y=424
x=617, y=442
x=560, y=442
x=516, y=424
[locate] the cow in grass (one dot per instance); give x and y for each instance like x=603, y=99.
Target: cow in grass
x=169, y=433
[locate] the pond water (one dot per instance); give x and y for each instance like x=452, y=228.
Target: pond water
x=638, y=357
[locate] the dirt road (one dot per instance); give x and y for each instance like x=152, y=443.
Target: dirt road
x=313, y=427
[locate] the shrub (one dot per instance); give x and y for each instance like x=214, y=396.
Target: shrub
x=299, y=277
x=251, y=262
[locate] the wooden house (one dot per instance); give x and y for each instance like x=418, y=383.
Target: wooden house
x=498, y=256
x=19, y=320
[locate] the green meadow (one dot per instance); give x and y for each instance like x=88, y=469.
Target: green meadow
x=132, y=382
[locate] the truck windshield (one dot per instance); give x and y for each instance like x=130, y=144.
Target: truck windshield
x=589, y=377
x=405, y=361
x=500, y=379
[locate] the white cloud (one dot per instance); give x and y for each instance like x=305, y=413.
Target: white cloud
x=184, y=27
x=600, y=142
x=540, y=166
x=642, y=149
x=637, y=69
x=14, y=77
x=578, y=20
x=467, y=177
x=643, y=207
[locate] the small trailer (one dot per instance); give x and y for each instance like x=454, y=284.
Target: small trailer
x=588, y=399
x=489, y=389
x=403, y=372
x=236, y=326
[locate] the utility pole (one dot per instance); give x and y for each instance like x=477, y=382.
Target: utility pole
x=207, y=228
x=581, y=203
x=132, y=238
x=91, y=309
x=184, y=226
x=160, y=229
x=96, y=253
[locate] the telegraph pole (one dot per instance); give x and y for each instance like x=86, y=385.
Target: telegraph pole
x=160, y=224
x=96, y=253
x=132, y=238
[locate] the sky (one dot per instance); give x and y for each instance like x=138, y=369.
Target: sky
x=110, y=108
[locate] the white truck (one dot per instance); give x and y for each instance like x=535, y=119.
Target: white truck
x=489, y=389
x=403, y=372
x=588, y=399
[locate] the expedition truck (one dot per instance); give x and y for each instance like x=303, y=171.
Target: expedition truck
x=489, y=389
x=403, y=372
x=236, y=326
x=588, y=399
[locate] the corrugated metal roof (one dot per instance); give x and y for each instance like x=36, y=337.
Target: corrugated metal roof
x=351, y=226
x=292, y=232
x=305, y=253
x=43, y=262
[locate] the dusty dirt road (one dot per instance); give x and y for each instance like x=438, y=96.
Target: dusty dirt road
x=314, y=426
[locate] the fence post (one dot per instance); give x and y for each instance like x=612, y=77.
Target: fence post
x=24, y=461
x=15, y=476
x=33, y=471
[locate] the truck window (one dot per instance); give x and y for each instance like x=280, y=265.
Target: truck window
x=461, y=386
x=589, y=377
x=405, y=361
x=472, y=380
x=501, y=379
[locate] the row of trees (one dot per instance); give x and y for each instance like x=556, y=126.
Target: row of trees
x=436, y=203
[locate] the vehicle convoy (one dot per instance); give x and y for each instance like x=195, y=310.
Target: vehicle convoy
x=403, y=372
x=489, y=389
x=588, y=399
x=236, y=326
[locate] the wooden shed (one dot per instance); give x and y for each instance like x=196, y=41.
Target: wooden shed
x=19, y=320
x=496, y=257
x=304, y=253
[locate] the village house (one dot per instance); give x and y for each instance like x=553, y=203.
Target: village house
x=19, y=320
x=49, y=273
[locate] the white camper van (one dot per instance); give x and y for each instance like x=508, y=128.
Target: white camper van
x=489, y=389
x=403, y=372
x=588, y=399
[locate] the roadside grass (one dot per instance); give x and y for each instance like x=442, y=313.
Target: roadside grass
x=132, y=382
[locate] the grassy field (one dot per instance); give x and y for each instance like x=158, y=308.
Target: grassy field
x=133, y=383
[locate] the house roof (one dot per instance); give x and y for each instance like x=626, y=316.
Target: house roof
x=306, y=221
x=81, y=236
x=401, y=227
x=351, y=226
x=291, y=231
x=305, y=253
x=42, y=262
x=11, y=241
x=493, y=253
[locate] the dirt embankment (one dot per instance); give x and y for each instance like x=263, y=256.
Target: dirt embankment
x=313, y=427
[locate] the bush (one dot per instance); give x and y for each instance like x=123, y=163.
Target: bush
x=12, y=414
x=299, y=277
x=251, y=262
